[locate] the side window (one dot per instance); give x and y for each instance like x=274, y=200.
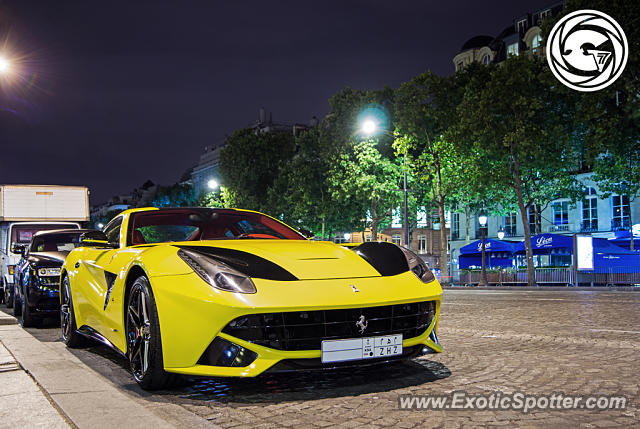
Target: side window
x=112, y=230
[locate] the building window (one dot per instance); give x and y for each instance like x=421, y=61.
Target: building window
x=455, y=226
x=396, y=218
x=543, y=15
x=396, y=239
x=590, y=211
x=459, y=66
x=621, y=212
x=534, y=219
x=512, y=49
x=522, y=26
x=422, y=218
x=536, y=43
x=486, y=60
x=561, y=216
x=510, y=229
x=422, y=244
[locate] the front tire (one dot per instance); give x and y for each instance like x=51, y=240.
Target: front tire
x=70, y=334
x=144, y=344
x=26, y=318
x=17, y=305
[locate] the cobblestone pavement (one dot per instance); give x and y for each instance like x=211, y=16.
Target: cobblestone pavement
x=535, y=342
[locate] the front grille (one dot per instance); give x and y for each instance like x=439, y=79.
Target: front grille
x=305, y=330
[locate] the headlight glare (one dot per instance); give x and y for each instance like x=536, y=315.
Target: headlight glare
x=418, y=266
x=217, y=274
x=49, y=272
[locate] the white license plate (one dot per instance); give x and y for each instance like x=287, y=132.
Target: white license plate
x=361, y=348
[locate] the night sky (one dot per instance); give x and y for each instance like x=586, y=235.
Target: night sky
x=111, y=93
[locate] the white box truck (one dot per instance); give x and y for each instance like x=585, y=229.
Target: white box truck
x=27, y=209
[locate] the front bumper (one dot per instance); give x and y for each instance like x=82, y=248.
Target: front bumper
x=43, y=301
x=192, y=314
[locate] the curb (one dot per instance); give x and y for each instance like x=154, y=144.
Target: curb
x=84, y=397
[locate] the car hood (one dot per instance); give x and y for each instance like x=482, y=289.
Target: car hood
x=306, y=260
x=47, y=259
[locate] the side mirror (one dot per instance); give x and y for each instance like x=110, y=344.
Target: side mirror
x=95, y=239
x=18, y=249
x=306, y=233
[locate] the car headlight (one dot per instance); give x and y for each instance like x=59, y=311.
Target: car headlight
x=418, y=266
x=49, y=272
x=217, y=274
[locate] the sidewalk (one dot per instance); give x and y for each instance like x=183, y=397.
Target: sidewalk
x=22, y=402
x=84, y=398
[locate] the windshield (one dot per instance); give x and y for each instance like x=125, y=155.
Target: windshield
x=63, y=242
x=205, y=224
x=23, y=233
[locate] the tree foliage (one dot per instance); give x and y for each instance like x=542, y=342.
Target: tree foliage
x=523, y=128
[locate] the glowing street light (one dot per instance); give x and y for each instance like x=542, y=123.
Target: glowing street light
x=100, y=225
x=501, y=234
x=369, y=127
x=212, y=184
x=347, y=236
x=4, y=65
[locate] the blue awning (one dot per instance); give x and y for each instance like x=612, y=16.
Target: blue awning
x=544, y=244
x=490, y=246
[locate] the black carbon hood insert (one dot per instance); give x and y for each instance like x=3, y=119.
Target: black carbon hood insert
x=386, y=258
x=244, y=262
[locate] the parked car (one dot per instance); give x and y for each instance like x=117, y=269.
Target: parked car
x=228, y=292
x=37, y=275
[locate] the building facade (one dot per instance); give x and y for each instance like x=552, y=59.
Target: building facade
x=603, y=217
x=522, y=37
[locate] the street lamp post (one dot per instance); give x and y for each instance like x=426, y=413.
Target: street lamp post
x=482, y=220
x=405, y=223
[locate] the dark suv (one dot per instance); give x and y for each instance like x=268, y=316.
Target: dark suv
x=37, y=275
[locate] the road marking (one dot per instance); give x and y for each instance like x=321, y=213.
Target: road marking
x=615, y=330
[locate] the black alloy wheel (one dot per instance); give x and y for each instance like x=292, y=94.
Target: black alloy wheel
x=68, y=327
x=144, y=346
x=26, y=318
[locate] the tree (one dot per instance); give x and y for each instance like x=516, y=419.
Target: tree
x=369, y=180
x=610, y=117
x=426, y=110
x=177, y=195
x=523, y=128
x=303, y=187
x=249, y=166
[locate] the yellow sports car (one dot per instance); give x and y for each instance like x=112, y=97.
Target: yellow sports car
x=227, y=292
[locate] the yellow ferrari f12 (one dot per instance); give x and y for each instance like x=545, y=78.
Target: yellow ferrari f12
x=226, y=292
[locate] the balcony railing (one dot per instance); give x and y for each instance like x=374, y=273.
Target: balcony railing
x=563, y=227
x=620, y=224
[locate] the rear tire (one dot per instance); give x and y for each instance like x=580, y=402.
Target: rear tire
x=70, y=334
x=144, y=344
